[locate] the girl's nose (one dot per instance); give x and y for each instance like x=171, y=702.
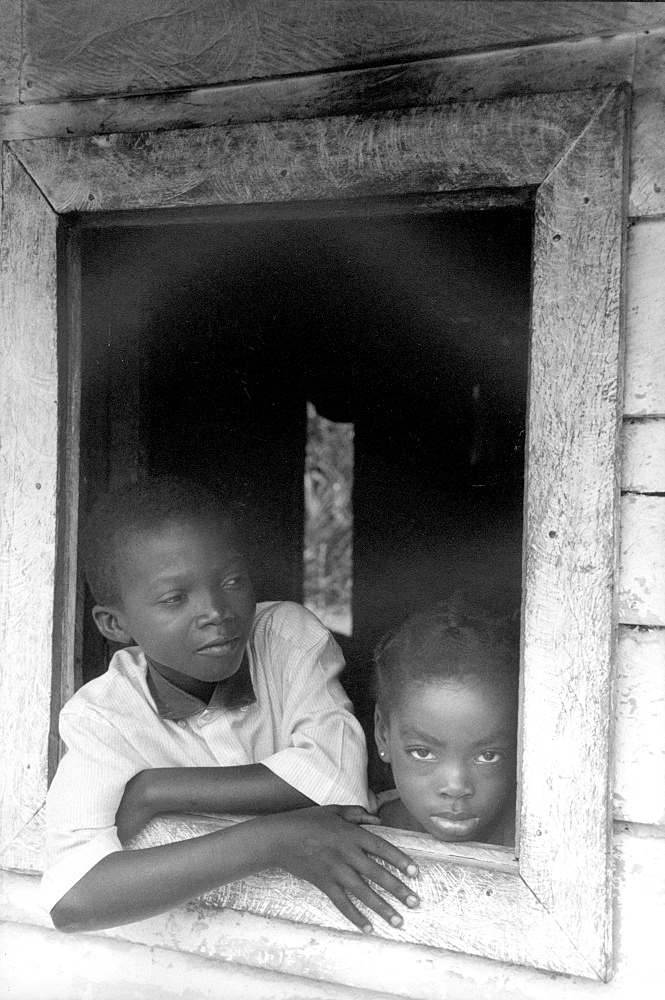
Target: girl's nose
x=454, y=781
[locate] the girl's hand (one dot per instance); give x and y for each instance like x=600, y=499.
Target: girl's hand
x=338, y=857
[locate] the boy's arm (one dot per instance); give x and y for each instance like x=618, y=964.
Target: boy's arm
x=314, y=844
x=244, y=788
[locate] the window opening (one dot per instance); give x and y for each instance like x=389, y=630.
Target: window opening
x=328, y=535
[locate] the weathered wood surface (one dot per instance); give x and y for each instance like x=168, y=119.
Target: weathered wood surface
x=93, y=47
x=645, y=320
x=647, y=196
x=368, y=962
x=508, y=143
x=478, y=910
x=639, y=738
x=67, y=609
x=28, y=474
x=42, y=964
x=643, y=455
x=547, y=68
x=10, y=51
x=570, y=540
x=642, y=578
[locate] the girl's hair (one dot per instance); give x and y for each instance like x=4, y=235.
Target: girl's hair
x=447, y=642
x=142, y=506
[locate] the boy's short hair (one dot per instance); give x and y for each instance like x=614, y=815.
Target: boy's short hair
x=447, y=642
x=140, y=506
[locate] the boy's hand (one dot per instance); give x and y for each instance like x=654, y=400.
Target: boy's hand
x=355, y=814
x=320, y=846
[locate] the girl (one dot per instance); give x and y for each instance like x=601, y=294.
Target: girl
x=446, y=721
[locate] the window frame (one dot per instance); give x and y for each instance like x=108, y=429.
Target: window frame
x=549, y=907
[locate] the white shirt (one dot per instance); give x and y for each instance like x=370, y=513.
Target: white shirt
x=300, y=726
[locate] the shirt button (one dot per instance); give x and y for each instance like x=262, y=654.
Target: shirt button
x=182, y=723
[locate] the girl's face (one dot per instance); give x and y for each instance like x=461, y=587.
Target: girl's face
x=452, y=747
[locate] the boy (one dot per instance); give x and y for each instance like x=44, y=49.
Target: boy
x=219, y=706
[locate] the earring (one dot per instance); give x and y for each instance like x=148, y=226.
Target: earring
x=382, y=753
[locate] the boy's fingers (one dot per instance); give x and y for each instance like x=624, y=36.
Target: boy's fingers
x=381, y=848
x=338, y=896
x=387, y=881
x=371, y=899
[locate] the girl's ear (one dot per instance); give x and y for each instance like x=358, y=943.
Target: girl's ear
x=110, y=623
x=381, y=735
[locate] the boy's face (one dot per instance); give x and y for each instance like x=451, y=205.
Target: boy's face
x=186, y=598
x=452, y=746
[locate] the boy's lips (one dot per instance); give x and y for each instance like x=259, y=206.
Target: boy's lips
x=219, y=647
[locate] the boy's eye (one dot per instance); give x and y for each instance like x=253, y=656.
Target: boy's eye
x=172, y=599
x=422, y=753
x=489, y=757
x=233, y=581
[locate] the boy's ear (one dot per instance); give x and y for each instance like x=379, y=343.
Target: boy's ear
x=381, y=735
x=110, y=623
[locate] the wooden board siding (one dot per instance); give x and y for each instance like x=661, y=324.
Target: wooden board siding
x=94, y=47
x=639, y=738
x=28, y=482
x=10, y=51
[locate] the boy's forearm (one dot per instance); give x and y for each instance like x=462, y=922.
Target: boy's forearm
x=247, y=788
x=132, y=885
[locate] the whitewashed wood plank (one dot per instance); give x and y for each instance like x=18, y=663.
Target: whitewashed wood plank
x=639, y=736
x=112, y=46
x=645, y=319
x=643, y=455
x=450, y=148
x=647, y=156
x=550, y=68
x=368, y=962
x=641, y=598
x=10, y=50
x=28, y=475
x=570, y=543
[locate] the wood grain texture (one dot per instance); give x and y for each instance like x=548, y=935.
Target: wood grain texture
x=368, y=962
x=10, y=51
x=643, y=455
x=92, y=47
x=28, y=475
x=477, y=910
x=570, y=534
x=639, y=738
x=67, y=609
x=642, y=578
x=647, y=190
x=547, y=68
x=645, y=320
x=508, y=143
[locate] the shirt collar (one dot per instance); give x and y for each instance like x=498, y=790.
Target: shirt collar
x=173, y=703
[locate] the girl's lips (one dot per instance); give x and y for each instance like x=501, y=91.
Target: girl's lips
x=462, y=827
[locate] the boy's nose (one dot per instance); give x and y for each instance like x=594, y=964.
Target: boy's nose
x=454, y=781
x=213, y=610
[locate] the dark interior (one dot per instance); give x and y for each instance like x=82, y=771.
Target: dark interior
x=204, y=341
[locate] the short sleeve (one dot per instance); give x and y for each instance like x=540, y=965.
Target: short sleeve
x=324, y=754
x=83, y=799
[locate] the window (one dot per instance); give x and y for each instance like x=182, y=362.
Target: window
x=549, y=906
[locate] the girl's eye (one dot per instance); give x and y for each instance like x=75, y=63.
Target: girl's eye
x=234, y=581
x=489, y=757
x=422, y=753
